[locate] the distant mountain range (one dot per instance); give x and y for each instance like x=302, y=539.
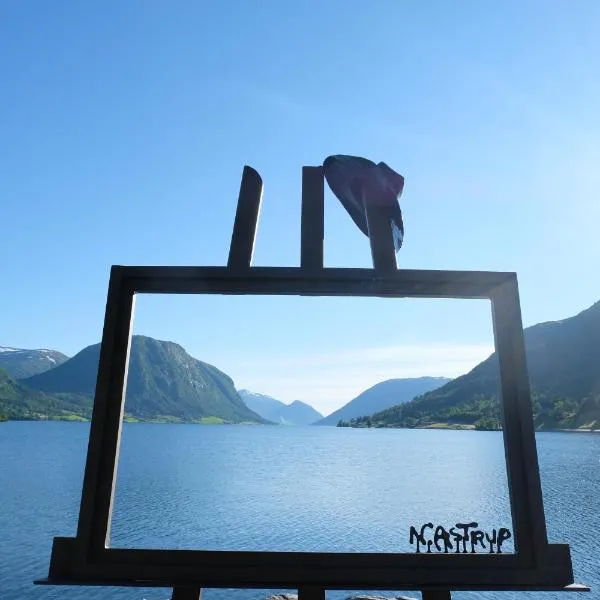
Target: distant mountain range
x=563, y=359
x=164, y=384
x=383, y=395
x=19, y=363
x=296, y=413
x=167, y=384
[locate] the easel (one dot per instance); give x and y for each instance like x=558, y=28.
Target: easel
x=304, y=593
x=88, y=560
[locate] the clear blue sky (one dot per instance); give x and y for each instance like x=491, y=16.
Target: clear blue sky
x=124, y=127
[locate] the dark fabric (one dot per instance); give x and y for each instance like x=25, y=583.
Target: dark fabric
x=355, y=180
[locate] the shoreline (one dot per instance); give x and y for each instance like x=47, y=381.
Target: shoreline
x=580, y=430
x=209, y=421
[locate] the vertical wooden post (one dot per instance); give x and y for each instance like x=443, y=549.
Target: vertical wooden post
x=246, y=219
x=436, y=595
x=311, y=592
x=313, y=218
x=381, y=238
x=527, y=504
x=186, y=592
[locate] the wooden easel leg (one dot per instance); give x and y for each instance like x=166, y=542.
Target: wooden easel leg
x=311, y=592
x=313, y=218
x=381, y=236
x=436, y=595
x=183, y=592
x=246, y=219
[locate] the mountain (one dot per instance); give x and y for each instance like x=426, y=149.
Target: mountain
x=382, y=395
x=301, y=413
x=164, y=383
x=563, y=360
x=19, y=363
x=17, y=401
x=296, y=413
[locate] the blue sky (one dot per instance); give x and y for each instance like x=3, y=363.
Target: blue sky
x=125, y=127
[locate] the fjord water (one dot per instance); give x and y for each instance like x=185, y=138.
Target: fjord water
x=270, y=488
x=275, y=488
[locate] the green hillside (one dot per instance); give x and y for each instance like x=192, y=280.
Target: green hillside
x=17, y=401
x=164, y=383
x=563, y=360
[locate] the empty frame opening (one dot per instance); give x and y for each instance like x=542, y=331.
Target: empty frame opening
x=285, y=423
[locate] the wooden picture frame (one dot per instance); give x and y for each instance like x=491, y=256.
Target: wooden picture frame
x=86, y=559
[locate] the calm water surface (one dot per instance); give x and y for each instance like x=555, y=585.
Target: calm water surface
x=273, y=488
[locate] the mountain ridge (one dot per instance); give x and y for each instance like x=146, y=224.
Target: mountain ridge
x=23, y=362
x=563, y=361
x=164, y=383
x=383, y=395
x=295, y=413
